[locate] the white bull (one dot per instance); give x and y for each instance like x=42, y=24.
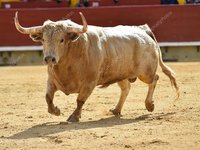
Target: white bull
x=81, y=57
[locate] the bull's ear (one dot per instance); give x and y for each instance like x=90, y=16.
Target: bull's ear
x=73, y=36
x=36, y=37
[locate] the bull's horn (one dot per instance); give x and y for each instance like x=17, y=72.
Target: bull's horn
x=30, y=30
x=80, y=30
x=84, y=29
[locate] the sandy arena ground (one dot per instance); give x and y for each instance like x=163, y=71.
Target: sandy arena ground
x=25, y=123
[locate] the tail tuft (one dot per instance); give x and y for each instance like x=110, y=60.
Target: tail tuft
x=167, y=71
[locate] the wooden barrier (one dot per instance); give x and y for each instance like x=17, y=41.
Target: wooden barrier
x=169, y=23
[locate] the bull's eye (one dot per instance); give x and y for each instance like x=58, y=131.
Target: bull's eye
x=62, y=40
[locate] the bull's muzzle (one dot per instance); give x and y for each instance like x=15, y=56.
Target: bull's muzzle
x=50, y=60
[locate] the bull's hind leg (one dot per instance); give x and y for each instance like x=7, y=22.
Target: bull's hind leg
x=149, y=102
x=125, y=88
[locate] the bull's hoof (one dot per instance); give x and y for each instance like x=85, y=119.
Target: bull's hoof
x=116, y=112
x=55, y=111
x=73, y=118
x=149, y=107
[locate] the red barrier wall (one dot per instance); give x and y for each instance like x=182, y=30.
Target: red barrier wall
x=33, y=4
x=169, y=23
x=51, y=4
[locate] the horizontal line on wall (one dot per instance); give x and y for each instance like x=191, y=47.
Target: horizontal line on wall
x=39, y=48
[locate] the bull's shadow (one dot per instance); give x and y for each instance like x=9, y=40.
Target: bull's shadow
x=46, y=129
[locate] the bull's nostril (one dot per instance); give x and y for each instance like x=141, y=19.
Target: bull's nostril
x=49, y=59
x=53, y=59
x=45, y=59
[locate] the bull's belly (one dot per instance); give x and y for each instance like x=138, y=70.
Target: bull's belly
x=111, y=77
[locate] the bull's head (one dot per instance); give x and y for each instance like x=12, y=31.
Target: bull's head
x=55, y=36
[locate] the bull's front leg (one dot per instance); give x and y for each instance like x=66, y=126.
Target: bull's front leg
x=51, y=89
x=82, y=97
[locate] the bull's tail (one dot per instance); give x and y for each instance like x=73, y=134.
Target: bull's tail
x=167, y=70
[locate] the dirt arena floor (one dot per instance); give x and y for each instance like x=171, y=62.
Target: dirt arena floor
x=25, y=123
